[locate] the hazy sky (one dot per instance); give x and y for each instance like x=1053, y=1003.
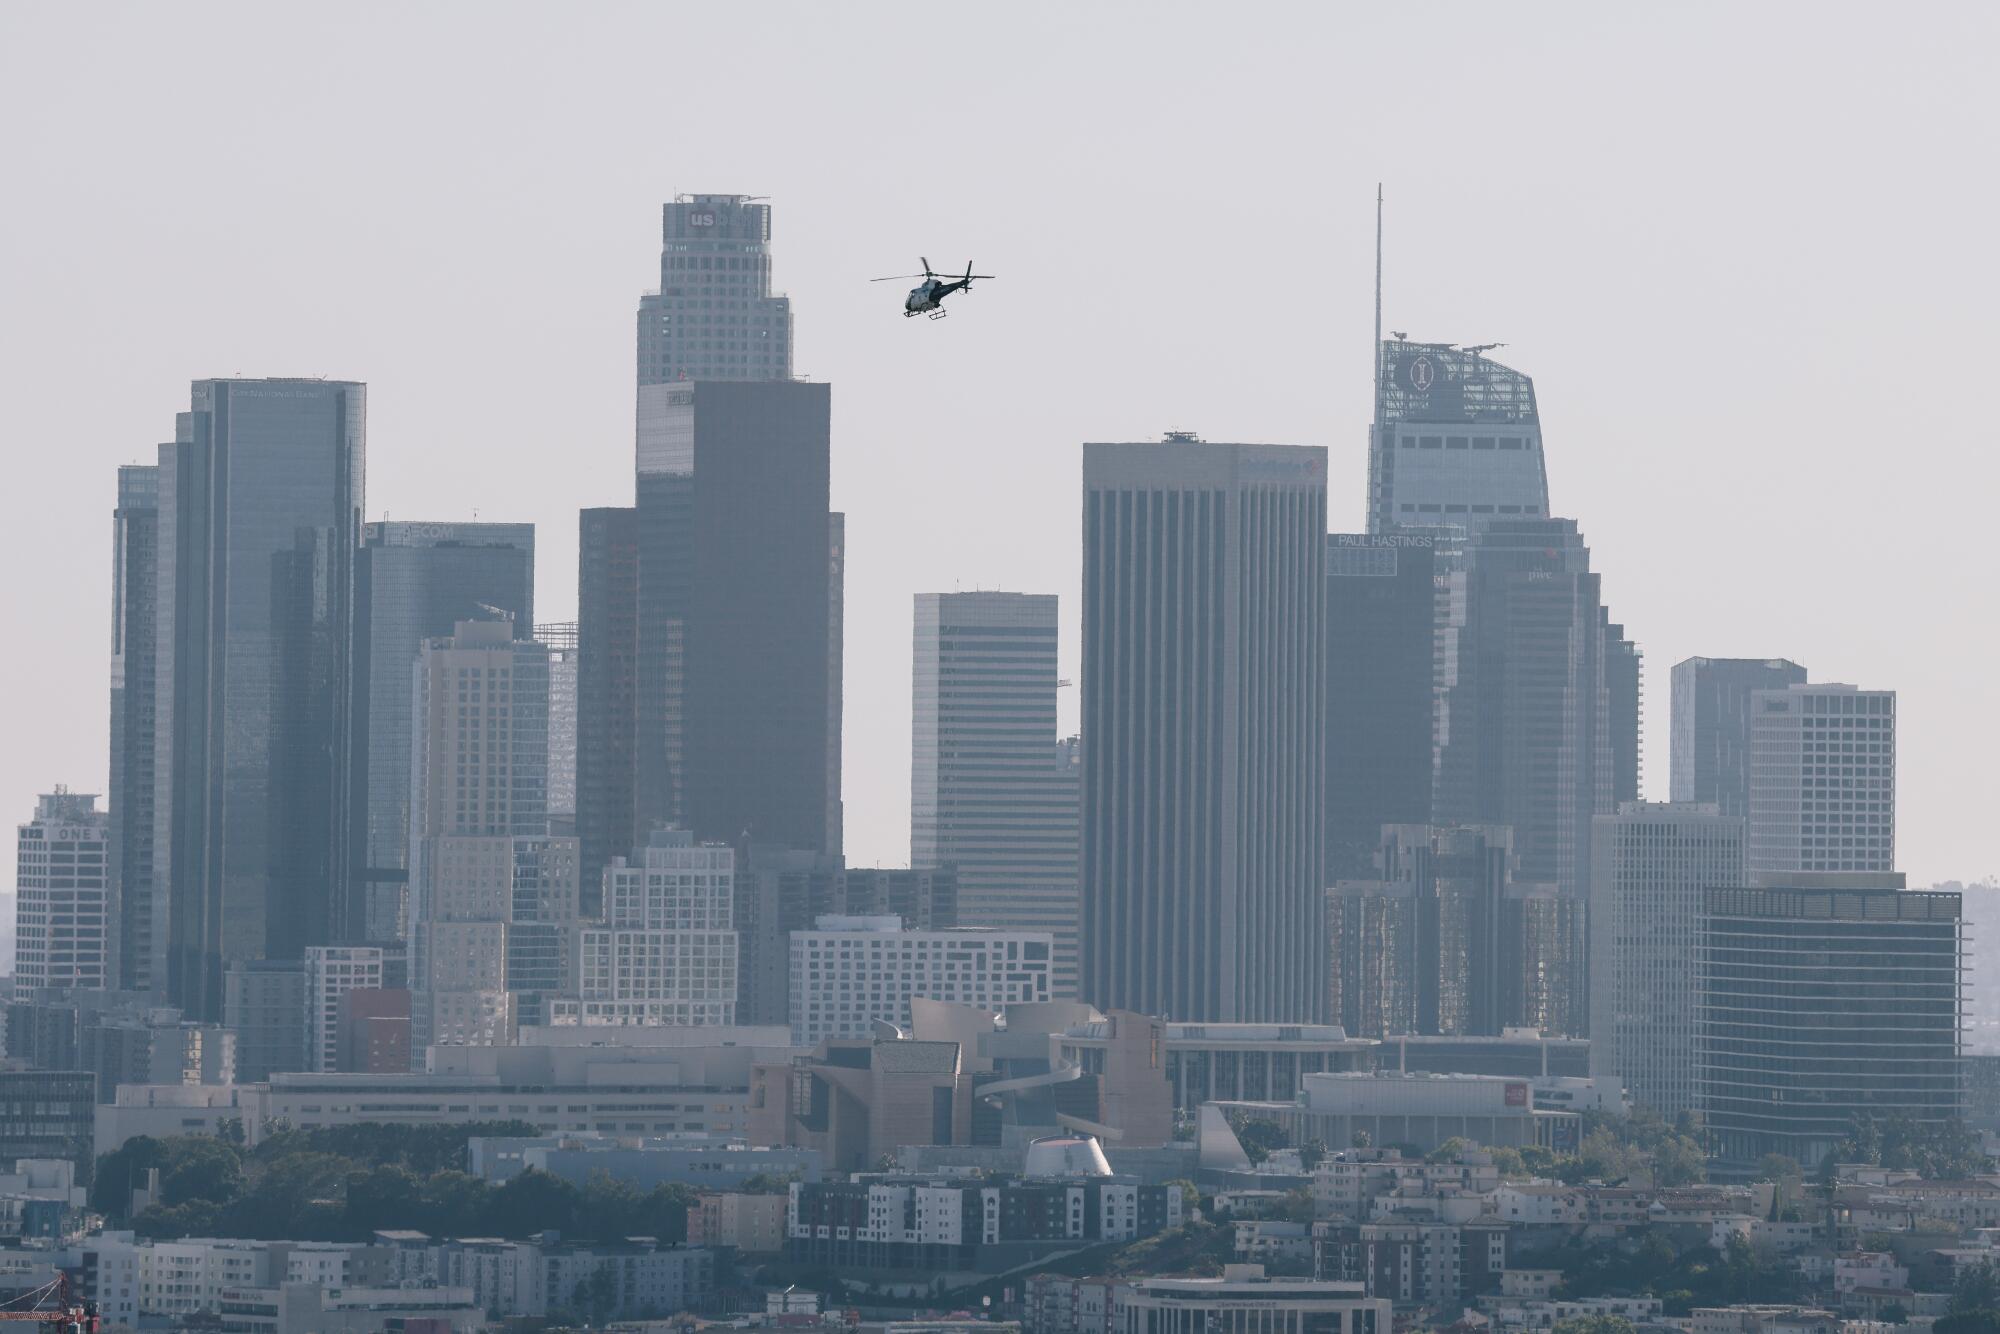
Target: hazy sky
x=1746, y=251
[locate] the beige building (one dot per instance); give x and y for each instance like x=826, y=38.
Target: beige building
x=478, y=783
x=749, y=1224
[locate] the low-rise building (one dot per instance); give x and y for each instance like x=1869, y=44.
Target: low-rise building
x=1763, y=1319
x=1236, y=1062
x=854, y=972
x=746, y=1224
x=1413, y=1261
x=1245, y=1301
x=968, y=1225
x=719, y=1162
x=1274, y=1240
x=1424, y=1110
x=1347, y=1186
x=1764, y=1235
x=316, y=1308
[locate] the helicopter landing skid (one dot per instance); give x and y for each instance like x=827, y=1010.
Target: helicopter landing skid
x=939, y=313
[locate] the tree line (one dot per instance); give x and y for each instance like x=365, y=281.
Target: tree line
x=343, y=1183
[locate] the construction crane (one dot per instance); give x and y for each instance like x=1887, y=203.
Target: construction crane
x=54, y=1308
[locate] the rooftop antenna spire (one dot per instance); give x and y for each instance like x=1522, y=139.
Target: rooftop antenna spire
x=1376, y=346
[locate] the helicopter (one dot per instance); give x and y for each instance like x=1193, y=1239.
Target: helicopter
x=928, y=296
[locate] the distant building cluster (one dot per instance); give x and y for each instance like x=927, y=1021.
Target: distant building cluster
x=1348, y=846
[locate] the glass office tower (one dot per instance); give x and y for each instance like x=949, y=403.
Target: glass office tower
x=260, y=509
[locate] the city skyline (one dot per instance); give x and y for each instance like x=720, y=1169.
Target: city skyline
x=905, y=428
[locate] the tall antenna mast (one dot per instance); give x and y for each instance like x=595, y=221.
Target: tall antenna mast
x=1376, y=347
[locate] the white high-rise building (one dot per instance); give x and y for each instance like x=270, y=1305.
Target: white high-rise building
x=331, y=972
x=1822, y=780
x=61, y=927
x=478, y=785
x=853, y=972
x=665, y=952
x=1653, y=860
x=992, y=792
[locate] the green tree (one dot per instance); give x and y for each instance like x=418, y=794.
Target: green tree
x=1895, y=1313
x=389, y=1196
x=1258, y=1136
x=1448, y=1151
x=1362, y=1139
x=1977, y=1289
x=1509, y=1162
x=1678, y=1161
x=197, y=1167
x=1968, y=1322
x=534, y=1201
x=121, y=1172
x=1312, y=1153
x=597, y=1295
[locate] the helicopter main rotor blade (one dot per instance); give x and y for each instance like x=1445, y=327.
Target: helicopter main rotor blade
x=898, y=277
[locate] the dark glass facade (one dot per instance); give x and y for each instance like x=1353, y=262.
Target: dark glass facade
x=1711, y=725
x=1446, y=943
x=607, y=732
x=1822, y=1002
x=1381, y=604
x=413, y=581
x=135, y=537
x=1623, y=676
x=260, y=504
x=737, y=672
x=1524, y=735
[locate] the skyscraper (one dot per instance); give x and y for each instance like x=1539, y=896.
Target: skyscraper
x=737, y=672
x=1456, y=440
x=1204, y=685
x=785, y=890
x=1711, y=726
x=992, y=792
x=607, y=719
x=714, y=317
x=62, y=928
x=1822, y=780
x=260, y=504
x=666, y=951
x=478, y=783
x=561, y=638
x=1524, y=735
x=1445, y=941
x=1623, y=676
x=1825, y=998
x=1380, y=642
x=135, y=538
x=412, y=582
x=1654, y=861
x=331, y=971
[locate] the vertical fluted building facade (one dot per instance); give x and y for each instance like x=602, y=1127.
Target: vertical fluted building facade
x=992, y=792
x=1204, y=695
x=1653, y=863
x=260, y=509
x=135, y=541
x=607, y=699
